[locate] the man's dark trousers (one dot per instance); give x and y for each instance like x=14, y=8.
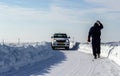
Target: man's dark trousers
x=96, y=47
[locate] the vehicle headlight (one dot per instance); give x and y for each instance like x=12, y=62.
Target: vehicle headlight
x=67, y=40
x=54, y=40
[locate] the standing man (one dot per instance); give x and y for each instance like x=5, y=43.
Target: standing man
x=95, y=33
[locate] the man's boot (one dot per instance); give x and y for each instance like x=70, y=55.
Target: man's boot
x=95, y=57
x=98, y=55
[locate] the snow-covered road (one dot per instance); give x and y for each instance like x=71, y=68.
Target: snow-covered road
x=80, y=64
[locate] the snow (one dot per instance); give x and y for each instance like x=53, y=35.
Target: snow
x=16, y=56
x=115, y=54
x=87, y=48
x=81, y=64
x=38, y=59
x=110, y=50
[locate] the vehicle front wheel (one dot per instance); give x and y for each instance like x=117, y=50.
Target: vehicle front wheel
x=67, y=48
x=53, y=48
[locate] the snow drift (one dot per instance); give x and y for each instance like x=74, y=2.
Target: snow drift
x=109, y=50
x=14, y=56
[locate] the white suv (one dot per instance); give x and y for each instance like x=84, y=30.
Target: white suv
x=60, y=40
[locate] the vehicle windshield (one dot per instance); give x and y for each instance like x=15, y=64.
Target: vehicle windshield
x=60, y=36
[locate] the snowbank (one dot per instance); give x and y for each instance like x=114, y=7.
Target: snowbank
x=110, y=50
x=13, y=57
x=87, y=48
x=115, y=54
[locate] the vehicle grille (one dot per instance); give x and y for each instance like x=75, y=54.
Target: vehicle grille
x=60, y=44
x=61, y=40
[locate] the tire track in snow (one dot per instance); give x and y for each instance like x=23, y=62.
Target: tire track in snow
x=95, y=64
x=91, y=70
x=76, y=69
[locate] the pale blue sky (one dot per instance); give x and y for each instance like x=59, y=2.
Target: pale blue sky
x=37, y=20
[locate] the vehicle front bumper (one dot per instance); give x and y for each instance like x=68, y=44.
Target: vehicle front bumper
x=60, y=45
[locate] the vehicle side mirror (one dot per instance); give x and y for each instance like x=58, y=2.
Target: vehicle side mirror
x=69, y=37
x=52, y=37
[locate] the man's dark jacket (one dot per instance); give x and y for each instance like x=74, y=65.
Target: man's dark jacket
x=95, y=33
